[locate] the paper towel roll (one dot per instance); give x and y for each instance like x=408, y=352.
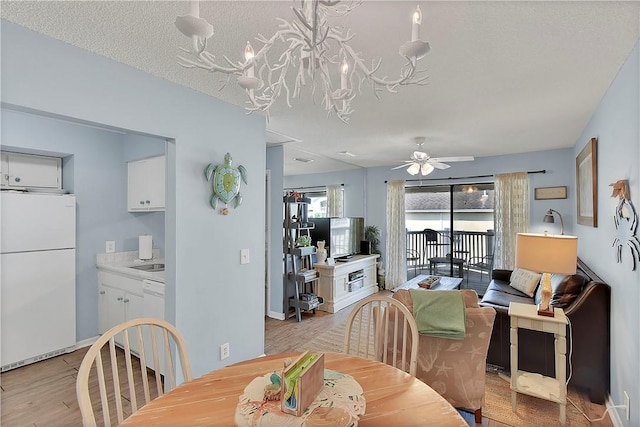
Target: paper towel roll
x=145, y=247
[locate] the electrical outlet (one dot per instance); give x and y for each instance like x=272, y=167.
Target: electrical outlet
x=626, y=403
x=224, y=351
x=110, y=247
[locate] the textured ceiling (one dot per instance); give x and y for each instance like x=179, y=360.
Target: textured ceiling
x=504, y=77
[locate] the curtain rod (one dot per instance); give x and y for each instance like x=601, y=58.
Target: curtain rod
x=463, y=177
x=307, y=188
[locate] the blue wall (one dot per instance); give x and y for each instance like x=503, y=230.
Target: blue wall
x=354, y=187
x=616, y=124
x=275, y=165
x=95, y=170
x=365, y=189
x=210, y=297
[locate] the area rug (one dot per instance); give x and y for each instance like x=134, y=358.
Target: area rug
x=530, y=411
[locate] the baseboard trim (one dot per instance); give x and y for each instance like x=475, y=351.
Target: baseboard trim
x=276, y=315
x=613, y=413
x=50, y=354
x=85, y=343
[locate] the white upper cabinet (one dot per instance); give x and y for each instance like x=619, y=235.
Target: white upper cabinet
x=27, y=171
x=146, y=185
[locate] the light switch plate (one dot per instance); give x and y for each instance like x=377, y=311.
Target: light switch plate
x=244, y=256
x=110, y=247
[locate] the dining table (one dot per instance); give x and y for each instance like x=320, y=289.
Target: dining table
x=393, y=397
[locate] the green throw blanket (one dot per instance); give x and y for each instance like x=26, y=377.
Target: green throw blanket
x=439, y=313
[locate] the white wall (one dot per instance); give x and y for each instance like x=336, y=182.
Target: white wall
x=211, y=298
x=616, y=124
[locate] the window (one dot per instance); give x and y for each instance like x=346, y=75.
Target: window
x=318, y=205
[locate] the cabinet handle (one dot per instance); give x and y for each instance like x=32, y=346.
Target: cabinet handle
x=102, y=292
x=119, y=298
x=142, y=202
x=17, y=179
x=126, y=300
x=147, y=202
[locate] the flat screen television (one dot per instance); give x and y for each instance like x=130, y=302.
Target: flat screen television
x=342, y=236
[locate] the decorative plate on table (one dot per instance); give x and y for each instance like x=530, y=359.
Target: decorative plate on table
x=429, y=282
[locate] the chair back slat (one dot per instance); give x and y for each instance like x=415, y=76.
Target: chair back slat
x=130, y=380
x=376, y=322
x=143, y=365
x=156, y=362
x=115, y=378
x=122, y=339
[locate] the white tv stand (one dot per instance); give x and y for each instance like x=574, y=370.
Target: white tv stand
x=338, y=290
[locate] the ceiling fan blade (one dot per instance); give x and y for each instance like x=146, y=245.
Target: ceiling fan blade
x=453, y=159
x=402, y=166
x=439, y=165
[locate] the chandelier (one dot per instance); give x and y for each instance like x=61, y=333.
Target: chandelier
x=312, y=49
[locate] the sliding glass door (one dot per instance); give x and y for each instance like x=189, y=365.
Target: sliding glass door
x=450, y=231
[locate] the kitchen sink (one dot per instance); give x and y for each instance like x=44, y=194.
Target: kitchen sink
x=149, y=267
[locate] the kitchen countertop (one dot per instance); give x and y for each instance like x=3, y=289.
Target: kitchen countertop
x=121, y=263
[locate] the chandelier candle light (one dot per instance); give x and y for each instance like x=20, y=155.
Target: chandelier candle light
x=309, y=54
x=548, y=254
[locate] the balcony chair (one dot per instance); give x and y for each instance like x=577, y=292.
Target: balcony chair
x=413, y=261
x=484, y=264
x=152, y=340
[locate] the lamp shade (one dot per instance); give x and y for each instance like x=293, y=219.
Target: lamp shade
x=547, y=253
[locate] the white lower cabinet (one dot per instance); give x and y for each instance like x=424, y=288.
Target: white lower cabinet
x=120, y=299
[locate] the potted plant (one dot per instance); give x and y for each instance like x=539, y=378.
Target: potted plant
x=372, y=235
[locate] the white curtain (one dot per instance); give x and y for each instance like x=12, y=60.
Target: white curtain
x=511, y=215
x=334, y=201
x=396, y=247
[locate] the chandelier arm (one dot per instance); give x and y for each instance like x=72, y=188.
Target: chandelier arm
x=302, y=18
x=404, y=77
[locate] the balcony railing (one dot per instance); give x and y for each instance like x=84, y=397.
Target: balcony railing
x=466, y=245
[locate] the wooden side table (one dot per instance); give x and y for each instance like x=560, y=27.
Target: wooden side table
x=534, y=384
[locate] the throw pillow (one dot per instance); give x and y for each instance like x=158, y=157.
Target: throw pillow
x=525, y=281
x=567, y=291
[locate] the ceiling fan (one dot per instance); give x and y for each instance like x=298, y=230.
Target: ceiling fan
x=422, y=163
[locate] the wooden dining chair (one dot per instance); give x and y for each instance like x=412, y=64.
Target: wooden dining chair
x=155, y=343
x=378, y=325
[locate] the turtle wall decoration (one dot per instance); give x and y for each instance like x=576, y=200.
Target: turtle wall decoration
x=225, y=183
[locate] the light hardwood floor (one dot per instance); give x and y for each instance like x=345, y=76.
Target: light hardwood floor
x=43, y=394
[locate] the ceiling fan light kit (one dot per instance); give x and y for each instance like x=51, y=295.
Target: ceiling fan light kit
x=314, y=48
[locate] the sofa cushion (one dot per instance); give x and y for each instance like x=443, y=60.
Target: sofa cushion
x=567, y=291
x=525, y=281
x=500, y=294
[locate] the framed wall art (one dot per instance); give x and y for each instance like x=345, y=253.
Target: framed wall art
x=547, y=193
x=586, y=184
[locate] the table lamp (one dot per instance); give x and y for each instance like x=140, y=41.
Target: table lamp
x=548, y=254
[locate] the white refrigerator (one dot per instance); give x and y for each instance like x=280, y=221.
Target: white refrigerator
x=38, y=277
